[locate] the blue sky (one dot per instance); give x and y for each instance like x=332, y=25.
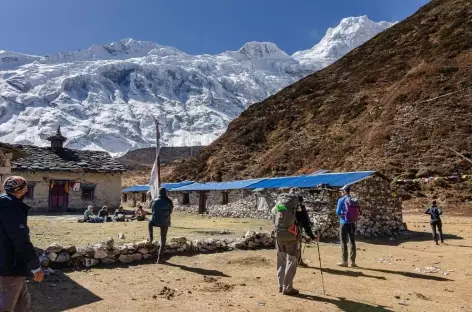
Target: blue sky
x=194, y=26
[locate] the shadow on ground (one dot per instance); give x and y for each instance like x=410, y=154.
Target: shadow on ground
x=361, y=274
x=59, y=293
x=199, y=271
x=409, y=236
x=347, y=305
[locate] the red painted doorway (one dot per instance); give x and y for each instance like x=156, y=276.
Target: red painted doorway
x=58, y=196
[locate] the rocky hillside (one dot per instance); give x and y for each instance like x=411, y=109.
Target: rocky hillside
x=144, y=158
x=393, y=104
x=105, y=97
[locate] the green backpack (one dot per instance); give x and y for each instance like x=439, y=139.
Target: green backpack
x=285, y=217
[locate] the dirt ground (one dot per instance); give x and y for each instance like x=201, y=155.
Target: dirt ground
x=393, y=277
x=64, y=229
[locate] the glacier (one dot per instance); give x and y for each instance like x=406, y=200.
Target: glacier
x=105, y=97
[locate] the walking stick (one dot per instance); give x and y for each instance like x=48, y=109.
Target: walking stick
x=321, y=269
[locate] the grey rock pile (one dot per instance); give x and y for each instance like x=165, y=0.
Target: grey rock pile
x=106, y=253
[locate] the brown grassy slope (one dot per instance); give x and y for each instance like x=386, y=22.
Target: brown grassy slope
x=366, y=111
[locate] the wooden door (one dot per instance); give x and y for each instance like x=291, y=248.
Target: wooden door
x=58, y=197
x=202, y=203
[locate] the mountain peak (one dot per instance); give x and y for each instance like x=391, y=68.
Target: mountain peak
x=350, y=33
x=262, y=50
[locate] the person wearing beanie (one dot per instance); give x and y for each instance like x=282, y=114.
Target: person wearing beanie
x=162, y=209
x=18, y=259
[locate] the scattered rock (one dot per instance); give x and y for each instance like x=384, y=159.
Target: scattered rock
x=54, y=248
x=126, y=258
x=100, y=254
x=70, y=249
x=397, y=297
x=167, y=292
x=52, y=256
x=62, y=257
x=108, y=261
x=121, y=236
x=422, y=297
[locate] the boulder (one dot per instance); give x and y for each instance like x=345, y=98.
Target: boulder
x=100, y=254
x=110, y=242
x=123, y=250
x=62, y=257
x=54, y=248
x=143, y=251
x=137, y=257
x=87, y=251
x=141, y=244
x=108, y=261
x=179, y=240
x=126, y=258
x=147, y=256
x=52, y=256
x=70, y=249
x=250, y=234
x=78, y=254
x=121, y=236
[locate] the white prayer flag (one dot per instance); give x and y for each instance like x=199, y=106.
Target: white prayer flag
x=155, y=182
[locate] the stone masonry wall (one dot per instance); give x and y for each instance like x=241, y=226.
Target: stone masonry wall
x=5, y=167
x=107, y=191
x=381, y=210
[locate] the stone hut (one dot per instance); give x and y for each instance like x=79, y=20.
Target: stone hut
x=139, y=194
x=62, y=179
x=381, y=208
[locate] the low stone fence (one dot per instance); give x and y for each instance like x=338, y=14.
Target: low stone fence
x=106, y=253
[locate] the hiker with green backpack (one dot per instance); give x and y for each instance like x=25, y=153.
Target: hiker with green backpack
x=287, y=234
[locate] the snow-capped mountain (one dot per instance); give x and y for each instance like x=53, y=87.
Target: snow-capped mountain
x=105, y=97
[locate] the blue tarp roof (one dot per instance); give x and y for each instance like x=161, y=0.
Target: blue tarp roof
x=310, y=181
x=305, y=181
x=219, y=186
x=145, y=188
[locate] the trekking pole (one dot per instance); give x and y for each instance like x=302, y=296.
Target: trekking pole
x=321, y=269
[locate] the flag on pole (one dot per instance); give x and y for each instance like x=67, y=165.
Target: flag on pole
x=155, y=182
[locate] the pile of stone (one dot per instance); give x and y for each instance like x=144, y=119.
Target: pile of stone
x=106, y=253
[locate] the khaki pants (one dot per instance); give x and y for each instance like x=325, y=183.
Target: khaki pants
x=287, y=252
x=14, y=294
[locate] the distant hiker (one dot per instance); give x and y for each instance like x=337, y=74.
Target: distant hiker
x=303, y=221
x=103, y=214
x=18, y=259
x=88, y=214
x=162, y=209
x=348, y=212
x=435, y=212
x=119, y=215
x=287, y=238
x=140, y=214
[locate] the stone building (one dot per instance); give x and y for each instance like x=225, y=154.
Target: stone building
x=139, y=194
x=62, y=179
x=381, y=208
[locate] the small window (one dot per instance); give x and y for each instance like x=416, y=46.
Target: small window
x=125, y=197
x=143, y=197
x=225, y=198
x=30, y=193
x=87, y=193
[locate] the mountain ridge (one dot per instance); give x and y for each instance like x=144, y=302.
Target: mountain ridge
x=104, y=97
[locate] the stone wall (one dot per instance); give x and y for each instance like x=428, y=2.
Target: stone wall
x=107, y=191
x=135, y=199
x=381, y=210
x=106, y=253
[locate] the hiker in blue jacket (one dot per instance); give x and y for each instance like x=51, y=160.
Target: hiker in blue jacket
x=435, y=212
x=162, y=209
x=18, y=258
x=347, y=230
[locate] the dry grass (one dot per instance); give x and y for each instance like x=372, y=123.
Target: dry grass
x=46, y=230
x=237, y=281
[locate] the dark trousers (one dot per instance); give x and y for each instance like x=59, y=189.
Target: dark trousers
x=14, y=294
x=164, y=230
x=437, y=225
x=347, y=232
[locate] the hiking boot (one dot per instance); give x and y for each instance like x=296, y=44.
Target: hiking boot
x=353, y=265
x=342, y=264
x=293, y=292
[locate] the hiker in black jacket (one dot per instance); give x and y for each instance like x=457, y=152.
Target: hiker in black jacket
x=18, y=259
x=304, y=223
x=435, y=212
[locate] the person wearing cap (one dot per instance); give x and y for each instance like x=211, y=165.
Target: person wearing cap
x=347, y=230
x=162, y=209
x=18, y=258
